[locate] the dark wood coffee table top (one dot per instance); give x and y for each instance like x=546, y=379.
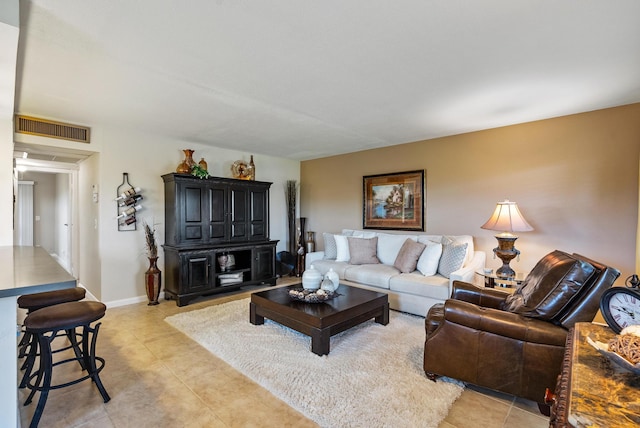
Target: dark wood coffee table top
x=352, y=306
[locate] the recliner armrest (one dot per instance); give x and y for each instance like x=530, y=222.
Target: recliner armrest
x=503, y=323
x=485, y=297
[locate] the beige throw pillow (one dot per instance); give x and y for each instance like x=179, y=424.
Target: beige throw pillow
x=362, y=251
x=408, y=256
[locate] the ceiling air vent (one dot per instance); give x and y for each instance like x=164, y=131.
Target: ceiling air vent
x=49, y=128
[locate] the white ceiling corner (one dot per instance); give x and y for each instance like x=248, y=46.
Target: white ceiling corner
x=308, y=79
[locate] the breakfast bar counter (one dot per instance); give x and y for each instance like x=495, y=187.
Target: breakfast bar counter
x=23, y=270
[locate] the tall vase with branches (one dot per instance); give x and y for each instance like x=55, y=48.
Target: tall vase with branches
x=153, y=275
x=292, y=194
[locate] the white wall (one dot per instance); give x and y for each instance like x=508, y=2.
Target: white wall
x=146, y=158
x=9, y=19
x=87, y=242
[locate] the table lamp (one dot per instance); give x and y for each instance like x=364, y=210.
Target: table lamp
x=506, y=219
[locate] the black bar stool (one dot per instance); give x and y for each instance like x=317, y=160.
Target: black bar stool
x=33, y=302
x=44, y=324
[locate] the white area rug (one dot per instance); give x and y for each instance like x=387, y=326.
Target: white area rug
x=372, y=377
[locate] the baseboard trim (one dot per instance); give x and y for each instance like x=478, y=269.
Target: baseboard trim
x=115, y=303
x=125, y=302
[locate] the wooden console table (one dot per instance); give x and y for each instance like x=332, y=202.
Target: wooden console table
x=593, y=391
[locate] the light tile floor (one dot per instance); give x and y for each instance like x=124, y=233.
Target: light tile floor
x=158, y=377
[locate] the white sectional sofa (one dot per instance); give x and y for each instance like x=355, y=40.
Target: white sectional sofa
x=416, y=274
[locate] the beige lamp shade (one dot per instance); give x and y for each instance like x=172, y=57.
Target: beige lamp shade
x=507, y=218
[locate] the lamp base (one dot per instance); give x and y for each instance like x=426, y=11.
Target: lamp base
x=506, y=252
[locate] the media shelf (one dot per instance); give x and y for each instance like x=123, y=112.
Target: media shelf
x=208, y=219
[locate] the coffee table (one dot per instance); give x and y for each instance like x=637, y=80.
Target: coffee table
x=351, y=307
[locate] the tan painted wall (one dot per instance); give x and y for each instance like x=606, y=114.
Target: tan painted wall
x=575, y=179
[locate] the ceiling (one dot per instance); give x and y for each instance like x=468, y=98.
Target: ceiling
x=304, y=79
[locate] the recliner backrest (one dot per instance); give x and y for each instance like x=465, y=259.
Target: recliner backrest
x=550, y=288
x=586, y=304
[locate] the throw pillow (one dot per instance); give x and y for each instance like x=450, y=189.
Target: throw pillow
x=550, y=286
x=389, y=246
x=363, y=251
x=342, y=248
x=429, y=259
x=452, y=258
x=408, y=256
x=330, y=249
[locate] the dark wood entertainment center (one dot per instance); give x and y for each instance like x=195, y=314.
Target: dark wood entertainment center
x=210, y=217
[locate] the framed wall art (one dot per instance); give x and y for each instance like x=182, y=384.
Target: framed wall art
x=394, y=201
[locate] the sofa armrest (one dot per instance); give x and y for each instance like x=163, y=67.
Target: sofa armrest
x=312, y=257
x=467, y=273
x=502, y=323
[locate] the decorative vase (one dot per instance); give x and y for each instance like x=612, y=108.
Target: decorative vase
x=251, y=169
x=186, y=165
x=153, y=281
x=203, y=164
x=227, y=262
x=327, y=285
x=333, y=276
x=311, y=279
x=311, y=243
x=303, y=222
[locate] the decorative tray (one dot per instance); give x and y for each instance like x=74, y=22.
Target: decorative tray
x=603, y=348
x=311, y=296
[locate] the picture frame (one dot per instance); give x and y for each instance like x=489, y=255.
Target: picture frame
x=394, y=201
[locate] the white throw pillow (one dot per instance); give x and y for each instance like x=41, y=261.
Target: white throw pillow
x=453, y=257
x=459, y=240
x=430, y=258
x=389, y=246
x=330, y=249
x=342, y=248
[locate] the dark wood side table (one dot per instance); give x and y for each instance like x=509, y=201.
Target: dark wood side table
x=593, y=391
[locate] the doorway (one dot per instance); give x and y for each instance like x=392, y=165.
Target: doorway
x=49, y=210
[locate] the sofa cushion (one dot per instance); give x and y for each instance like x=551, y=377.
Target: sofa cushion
x=430, y=259
x=435, y=286
x=361, y=233
x=550, y=286
x=330, y=249
x=342, y=248
x=362, y=251
x=375, y=275
x=408, y=256
x=453, y=256
x=389, y=246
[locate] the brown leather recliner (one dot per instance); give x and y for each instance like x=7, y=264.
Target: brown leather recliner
x=515, y=343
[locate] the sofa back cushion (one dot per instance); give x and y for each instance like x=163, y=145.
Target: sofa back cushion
x=362, y=250
x=408, y=256
x=553, y=283
x=389, y=246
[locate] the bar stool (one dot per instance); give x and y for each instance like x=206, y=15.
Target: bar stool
x=33, y=302
x=44, y=324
